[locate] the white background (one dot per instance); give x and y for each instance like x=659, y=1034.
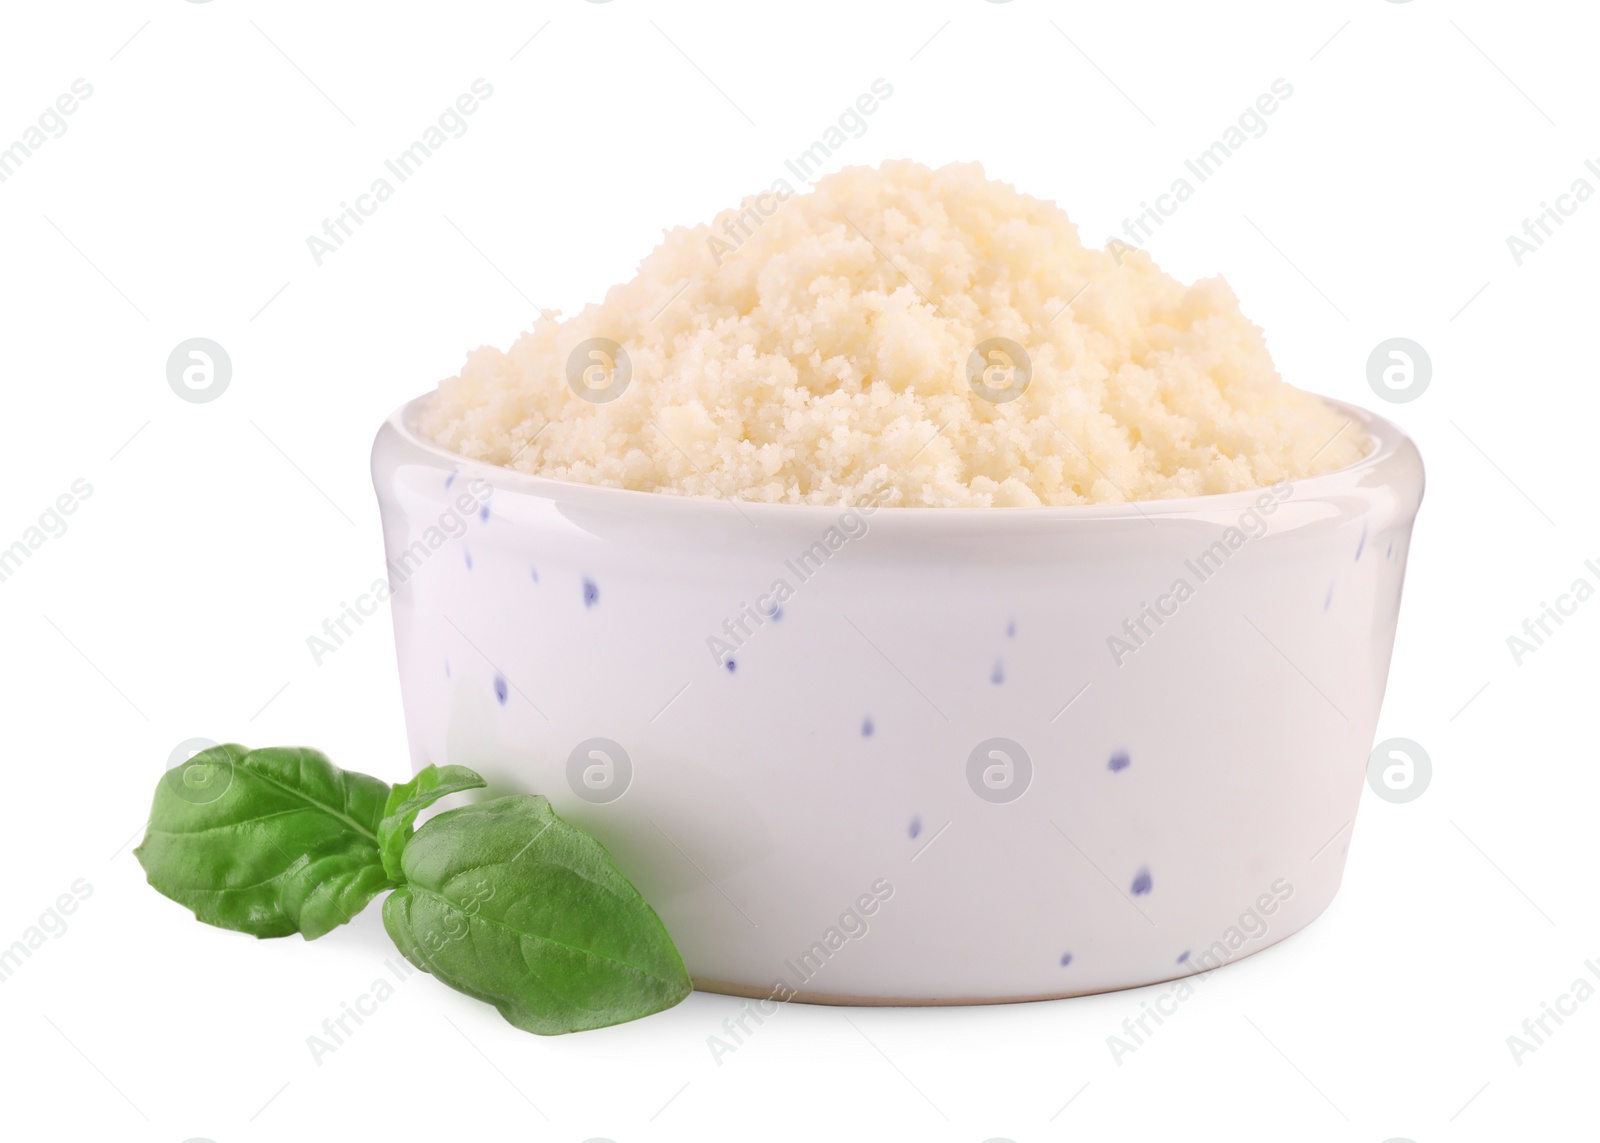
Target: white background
x=219, y=536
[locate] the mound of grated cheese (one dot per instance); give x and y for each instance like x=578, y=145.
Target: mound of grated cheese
x=818, y=348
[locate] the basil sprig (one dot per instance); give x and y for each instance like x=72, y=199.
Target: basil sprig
x=269, y=842
x=506, y=902
x=409, y=799
x=501, y=900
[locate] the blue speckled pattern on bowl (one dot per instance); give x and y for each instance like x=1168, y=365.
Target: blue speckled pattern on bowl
x=1175, y=701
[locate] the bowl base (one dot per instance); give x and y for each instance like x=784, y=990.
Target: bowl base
x=848, y=1000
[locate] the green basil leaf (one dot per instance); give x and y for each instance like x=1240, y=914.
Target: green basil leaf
x=268, y=842
x=409, y=799
x=506, y=902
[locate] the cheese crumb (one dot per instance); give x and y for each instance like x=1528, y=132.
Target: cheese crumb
x=900, y=335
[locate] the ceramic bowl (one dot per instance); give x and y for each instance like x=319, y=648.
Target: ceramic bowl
x=913, y=755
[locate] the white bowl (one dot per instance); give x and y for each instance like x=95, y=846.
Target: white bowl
x=828, y=818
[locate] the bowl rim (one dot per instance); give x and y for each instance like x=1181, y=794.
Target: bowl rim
x=1392, y=461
